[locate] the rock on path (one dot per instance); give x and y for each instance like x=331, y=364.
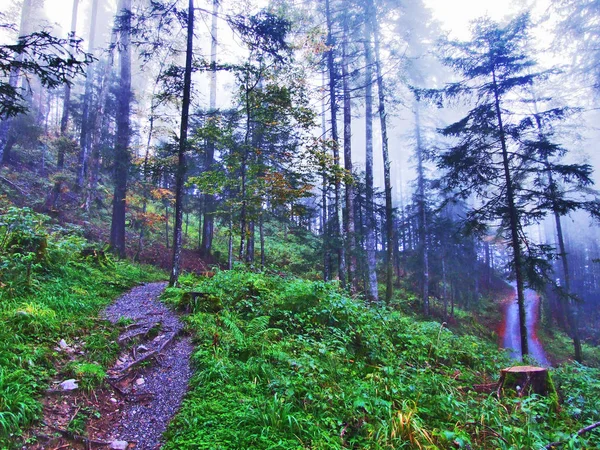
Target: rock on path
x=165, y=379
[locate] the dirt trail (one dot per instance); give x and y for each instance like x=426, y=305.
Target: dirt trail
x=144, y=388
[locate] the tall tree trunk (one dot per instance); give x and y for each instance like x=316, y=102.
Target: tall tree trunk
x=444, y=286
x=209, y=200
x=389, y=210
x=84, y=137
x=341, y=253
x=262, y=240
x=421, y=204
x=98, y=123
x=230, y=243
x=370, y=224
x=181, y=163
x=13, y=80
x=514, y=223
x=571, y=306
x=324, y=195
x=123, y=133
x=349, y=225
x=64, y=122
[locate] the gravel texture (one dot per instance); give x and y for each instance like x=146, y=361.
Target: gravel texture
x=165, y=380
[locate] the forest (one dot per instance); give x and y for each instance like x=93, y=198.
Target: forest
x=299, y=224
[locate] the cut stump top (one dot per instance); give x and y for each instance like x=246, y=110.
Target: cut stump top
x=525, y=369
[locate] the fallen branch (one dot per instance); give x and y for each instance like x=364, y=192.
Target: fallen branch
x=129, y=337
x=77, y=438
x=131, y=397
x=148, y=355
x=13, y=185
x=579, y=433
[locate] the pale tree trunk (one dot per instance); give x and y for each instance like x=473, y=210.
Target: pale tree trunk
x=341, y=253
x=349, y=225
x=324, y=193
x=64, y=122
x=13, y=80
x=372, y=291
x=99, y=122
x=209, y=200
x=389, y=210
x=181, y=163
x=123, y=133
x=421, y=203
x=84, y=137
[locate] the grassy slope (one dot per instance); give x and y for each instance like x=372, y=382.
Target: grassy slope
x=289, y=363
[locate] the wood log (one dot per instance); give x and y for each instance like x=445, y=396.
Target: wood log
x=525, y=380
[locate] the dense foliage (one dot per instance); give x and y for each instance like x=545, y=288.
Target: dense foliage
x=288, y=363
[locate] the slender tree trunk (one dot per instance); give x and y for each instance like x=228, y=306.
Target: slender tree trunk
x=250, y=244
x=444, y=286
x=209, y=200
x=341, y=253
x=64, y=122
x=99, y=123
x=370, y=224
x=13, y=79
x=123, y=134
x=167, y=218
x=389, y=210
x=324, y=194
x=230, y=244
x=181, y=163
x=571, y=306
x=514, y=224
x=421, y=203
x=349, y=225
x=84, y=137
x=262, y=241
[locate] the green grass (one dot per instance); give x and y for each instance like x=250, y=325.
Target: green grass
x=58, y=298
x=289, y=363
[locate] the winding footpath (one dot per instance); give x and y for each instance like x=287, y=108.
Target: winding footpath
x=142, y=391
x=160, y=387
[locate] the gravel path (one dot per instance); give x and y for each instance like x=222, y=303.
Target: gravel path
x=163, y=383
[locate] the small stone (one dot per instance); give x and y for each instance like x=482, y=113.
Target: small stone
x=113, y=400
x=140, y=381
x=63, y=344
x=69, y=385
x=119, y=445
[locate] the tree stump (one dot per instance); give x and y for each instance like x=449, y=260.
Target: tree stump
x=525, y=380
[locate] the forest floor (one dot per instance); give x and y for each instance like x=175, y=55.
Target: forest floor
x=145, y=386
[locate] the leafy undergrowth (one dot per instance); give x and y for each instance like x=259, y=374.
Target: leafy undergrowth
x=52, y=287
x=288, y=363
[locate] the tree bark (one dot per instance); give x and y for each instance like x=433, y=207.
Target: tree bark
x=181, y=162
x=514, y=223
x=94, y=132
x=349, y=225
x=389, y=211
x=13, y=79
x=64, y=122
x=341, y=253
x=84, y=137
x=372, y=289
x=209, y=200
x=421, y=204
x=123, y=133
